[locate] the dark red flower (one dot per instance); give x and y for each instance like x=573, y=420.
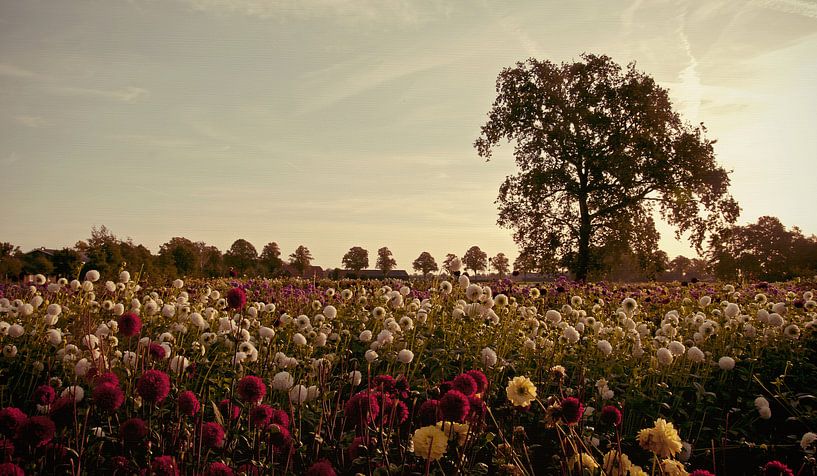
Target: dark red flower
x=260, y=416
x=465, y=384
x=218, y=469
x=44, y=395
x=776, y=468
x=36, y=431
x=454, y=406
x=480, y=379
x=107, y=377
x=62, y=411
x=572, y=410
x=251, y=389
x=229, y=410
x=321, y=468
x=11, y=419
x=610, y=415
x=120, y=463
x=212, y=435
x=188, y=403
x=6, y=449
x=153, y=386
x=280, y=438
x=384, y=383
x=11, y=469
x=133, y=431
x=429, y=413
x=361, y=408
x=156, y=351
x=236, y=298
x=280, y=417
x=354, y=448
x=164, y=466
x=108, y=397
x=701, y=472
x=129, y=324
x=477, y=408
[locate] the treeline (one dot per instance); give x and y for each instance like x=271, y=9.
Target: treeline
x=765, y=250
x=180, y=256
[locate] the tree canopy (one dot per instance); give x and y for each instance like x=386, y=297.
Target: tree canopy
x=500, y=264
x=301, y=258
x=356, y=259
x=425, y=263
x=475, y=259
x=598, y=145
x=385, y=261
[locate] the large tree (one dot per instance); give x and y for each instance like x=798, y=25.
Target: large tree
x=179, y=256
x=385, y=261
x=356, y=259
x=500, y=264
x=425, y=263
x=597, y=144
x=301, y=259
x=475, y=259
x=242, y=256
x=271, y=257
x=449, y=258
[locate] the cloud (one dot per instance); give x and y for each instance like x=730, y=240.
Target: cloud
x=404, y=11
x=30, y=121
x=798, y=7
x=10, y=159
x=129, y=94
x=7, y=69
x=689, y=90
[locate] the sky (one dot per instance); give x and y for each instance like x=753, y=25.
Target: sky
x=340, y=123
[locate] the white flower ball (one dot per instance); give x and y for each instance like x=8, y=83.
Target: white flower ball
x=726, y=363
x=488, y=357
x=92, y=276
x=405, y=356
x=664, y=356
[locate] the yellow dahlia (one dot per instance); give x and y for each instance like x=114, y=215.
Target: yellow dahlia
x=670, y=467
x=616, y=464
x=662, y=439
x=521, y=391
x=454, y=430
x=430, y=442
x=581, y=462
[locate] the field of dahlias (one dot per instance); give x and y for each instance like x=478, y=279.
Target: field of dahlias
x=118, y=375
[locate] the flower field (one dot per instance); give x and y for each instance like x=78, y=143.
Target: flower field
x=117, y=375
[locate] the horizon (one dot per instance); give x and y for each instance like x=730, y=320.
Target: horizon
x=339, y=125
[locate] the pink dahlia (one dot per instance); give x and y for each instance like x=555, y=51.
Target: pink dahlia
x=153, y=386
x=251, y=389
x=108, y=397
x=188, y=403
x=129, y=324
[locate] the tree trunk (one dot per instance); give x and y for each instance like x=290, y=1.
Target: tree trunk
x=583, y=260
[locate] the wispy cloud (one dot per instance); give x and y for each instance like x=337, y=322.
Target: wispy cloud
x=128, y=94
x=403, y=11
x=805, y=8
x=690, y=91
x=10, y=158
x=30, y=121
x=338, y=82
x=14, y=71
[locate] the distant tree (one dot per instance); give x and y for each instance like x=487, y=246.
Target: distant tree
x=500, y=264
x=764, y=250
x=682, y=268
x=425, y=263
x=10, y=264
x=301, y=259
x=136, y=258
x=212, y=261
x=356, y=259
x=103, y=251
x=180, y=256
x=242, y=256
x=271, y=258
x=449, y=258
x=36, y=262
x=66, y=263
x=595, y=143
x=475, y=259
x=385, y=261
